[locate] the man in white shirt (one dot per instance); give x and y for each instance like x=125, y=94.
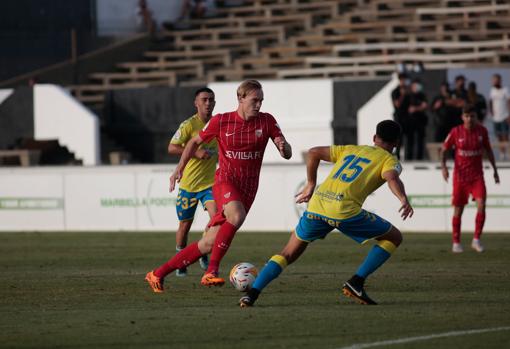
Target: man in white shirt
x=500, y=111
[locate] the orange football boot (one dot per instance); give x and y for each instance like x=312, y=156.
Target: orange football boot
x=155, y=282
x=211, y=279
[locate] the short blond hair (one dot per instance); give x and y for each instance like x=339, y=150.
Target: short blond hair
x=247, y=86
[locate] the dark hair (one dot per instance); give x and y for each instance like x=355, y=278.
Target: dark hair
x=468, y=109
x=203, y=89
x=402, y=76
x=460, y=77
x=389, y=131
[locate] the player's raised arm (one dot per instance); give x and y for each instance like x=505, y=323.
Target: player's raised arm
x=190, y=149
x=398, y=189
x=313, y=158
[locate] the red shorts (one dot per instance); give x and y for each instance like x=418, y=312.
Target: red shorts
x=461, y=191
x=223, y=194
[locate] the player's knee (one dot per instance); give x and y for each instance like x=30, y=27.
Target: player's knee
x=236, y=218
x=394, y=236
x=205, y=244
x=398, y=238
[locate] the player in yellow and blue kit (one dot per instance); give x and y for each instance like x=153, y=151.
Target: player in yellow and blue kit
x=337, y=204
x=198, y=176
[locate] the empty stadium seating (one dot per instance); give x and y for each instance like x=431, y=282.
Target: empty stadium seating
x=280, y=39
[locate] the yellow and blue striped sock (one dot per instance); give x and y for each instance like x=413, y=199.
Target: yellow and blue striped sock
x=376, y=257
x=271, y=271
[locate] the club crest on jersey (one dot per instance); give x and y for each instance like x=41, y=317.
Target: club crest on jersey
x=258, y=133
x=227, y=195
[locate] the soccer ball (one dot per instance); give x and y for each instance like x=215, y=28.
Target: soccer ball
x=242, y=276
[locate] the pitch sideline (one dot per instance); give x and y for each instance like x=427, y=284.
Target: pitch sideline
x=424, y=338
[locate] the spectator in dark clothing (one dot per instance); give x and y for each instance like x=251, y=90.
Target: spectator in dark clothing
x=146, y=22
x=458, y=99
x=415, y=135
x=477, y=100
x=192, y=9
x=400, y=97
x=444, y=113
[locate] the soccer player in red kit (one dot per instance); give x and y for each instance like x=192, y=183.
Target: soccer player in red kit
x=242, y=137
x=470, y=140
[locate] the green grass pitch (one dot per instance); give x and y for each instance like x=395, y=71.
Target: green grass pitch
x=87, y=290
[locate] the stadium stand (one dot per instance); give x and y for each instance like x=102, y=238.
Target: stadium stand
x=282, y=39
x=290, y=39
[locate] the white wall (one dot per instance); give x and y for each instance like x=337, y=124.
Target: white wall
x=136, y=198
x=4, y=94
x=377, y=109
x=303, y=110
x=57, y=115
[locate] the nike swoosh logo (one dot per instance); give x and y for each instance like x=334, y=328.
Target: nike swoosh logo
x=229, y=134
x=354, y=290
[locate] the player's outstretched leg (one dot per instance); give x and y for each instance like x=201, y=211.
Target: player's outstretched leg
x=220, y=247
x=271, y=271
x=185, y=257
x=377, y=256
x=274, y=268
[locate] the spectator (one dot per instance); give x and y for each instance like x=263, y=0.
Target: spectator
x=500, y=111
x=400, y=97
x=192, y=9
x=477, y=101
x=146, y=22
x=417, y=121
x=459, y=98
x=443, y=113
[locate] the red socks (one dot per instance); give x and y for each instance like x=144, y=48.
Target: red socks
x=479, y=222
x=456, y=229
x=221, y=244
x=185, y=257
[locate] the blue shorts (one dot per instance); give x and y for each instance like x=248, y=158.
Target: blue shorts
x=187, y=202
x=362, y=227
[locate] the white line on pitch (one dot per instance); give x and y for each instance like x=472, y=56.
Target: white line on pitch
x=425, y=338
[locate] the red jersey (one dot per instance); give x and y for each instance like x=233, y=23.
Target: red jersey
x=241, y=146
x=469, y=146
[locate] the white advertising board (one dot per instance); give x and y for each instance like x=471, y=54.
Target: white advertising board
x=136, y=198
x=31, y=202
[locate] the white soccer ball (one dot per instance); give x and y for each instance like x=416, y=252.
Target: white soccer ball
x=242, y=276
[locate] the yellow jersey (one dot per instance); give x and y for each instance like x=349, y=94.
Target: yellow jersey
x=356, y=174
x=198, y=174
